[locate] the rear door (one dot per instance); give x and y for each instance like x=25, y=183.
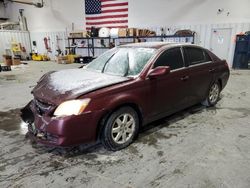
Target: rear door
x=171, y=90
x=201, y=72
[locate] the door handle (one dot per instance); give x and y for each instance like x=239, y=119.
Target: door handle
x=184, y=78
x=211, y=70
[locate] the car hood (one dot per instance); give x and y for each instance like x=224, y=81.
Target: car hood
x=56, y=87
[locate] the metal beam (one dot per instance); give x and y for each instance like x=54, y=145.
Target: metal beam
x=38, y=5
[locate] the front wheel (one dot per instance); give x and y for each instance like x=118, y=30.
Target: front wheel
x=120, y=129
x=213, y=95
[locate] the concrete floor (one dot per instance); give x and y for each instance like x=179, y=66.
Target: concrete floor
x=197, y=147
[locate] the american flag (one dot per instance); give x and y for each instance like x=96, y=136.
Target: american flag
x=106, y=13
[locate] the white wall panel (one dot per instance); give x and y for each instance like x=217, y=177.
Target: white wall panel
x=53, y=43
x=6, y=37
x=60, y=14
x=203, y=37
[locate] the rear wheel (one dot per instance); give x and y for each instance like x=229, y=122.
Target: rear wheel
x=120, y=129
x=213, y=95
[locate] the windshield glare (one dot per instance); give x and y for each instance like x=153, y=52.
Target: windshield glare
x=122, y=61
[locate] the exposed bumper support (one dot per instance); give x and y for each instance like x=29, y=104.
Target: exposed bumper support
x=62, y=131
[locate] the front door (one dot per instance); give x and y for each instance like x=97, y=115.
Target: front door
x=170, y=91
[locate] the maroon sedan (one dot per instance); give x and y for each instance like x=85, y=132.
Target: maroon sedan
x=121, y=91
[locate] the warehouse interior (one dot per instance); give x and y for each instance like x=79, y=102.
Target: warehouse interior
x=196, y=147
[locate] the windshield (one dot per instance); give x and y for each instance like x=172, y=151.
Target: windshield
x=122, y=61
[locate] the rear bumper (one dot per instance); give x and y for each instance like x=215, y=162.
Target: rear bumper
x=63, y=131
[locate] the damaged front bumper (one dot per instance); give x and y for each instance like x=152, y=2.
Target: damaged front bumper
x=60, y=131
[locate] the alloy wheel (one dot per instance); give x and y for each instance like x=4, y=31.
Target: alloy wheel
x=123, y=128
x=214, y=93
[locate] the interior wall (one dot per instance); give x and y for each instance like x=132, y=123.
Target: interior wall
x=175, y=12
x=60, y=14
x=200, y=16
x=56, y=15
x=202, y=37
x=2, y=11
x=7, y=37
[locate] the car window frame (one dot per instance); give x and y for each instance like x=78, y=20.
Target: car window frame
x=182, y=55
x=197, y=63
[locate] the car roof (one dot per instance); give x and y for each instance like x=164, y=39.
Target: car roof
x=156, y=45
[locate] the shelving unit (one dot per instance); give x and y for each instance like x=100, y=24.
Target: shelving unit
x=3, y=19
x=93, y=44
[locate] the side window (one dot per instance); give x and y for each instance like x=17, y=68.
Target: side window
x=196, y=55
x=172, y=58
x=207, y=57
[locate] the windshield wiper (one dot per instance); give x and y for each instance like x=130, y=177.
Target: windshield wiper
x=107, y=63
x=126, y=73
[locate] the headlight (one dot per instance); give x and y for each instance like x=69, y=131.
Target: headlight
x=72, y=107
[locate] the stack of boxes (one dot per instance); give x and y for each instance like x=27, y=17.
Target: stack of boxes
x=122, y=32
x=135, y=32
x=8, y=61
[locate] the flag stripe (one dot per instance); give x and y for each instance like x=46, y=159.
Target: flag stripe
x=108, y=16
x=113, y=2
x=115, y=10
x=113, y=20
x=111, y=26
x=115, y=25
x=107, y=0
x=114, y=5
x=107, y=22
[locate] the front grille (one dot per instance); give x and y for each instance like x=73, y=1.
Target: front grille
x=41, y=107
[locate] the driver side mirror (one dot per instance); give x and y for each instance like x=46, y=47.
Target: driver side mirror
x=159, y=71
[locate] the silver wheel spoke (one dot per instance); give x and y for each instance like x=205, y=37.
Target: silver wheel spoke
x=129, y=123
x=119, y=135
x=116, y=130
x=118, y=121
x=129, y=130
x=124, y=137
x=125, y=118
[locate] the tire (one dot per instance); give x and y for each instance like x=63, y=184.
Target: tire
x=120, y=129
x=213, y=95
